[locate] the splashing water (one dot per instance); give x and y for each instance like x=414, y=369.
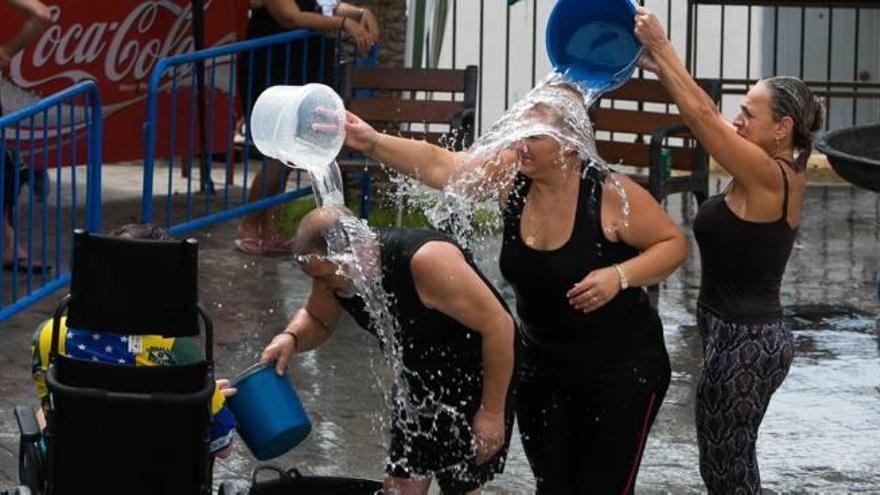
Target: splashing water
x=554, y=108
x=549, y=109
x=327, y=184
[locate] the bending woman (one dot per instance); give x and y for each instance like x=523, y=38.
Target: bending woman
x=592, y=367
x=745, y=237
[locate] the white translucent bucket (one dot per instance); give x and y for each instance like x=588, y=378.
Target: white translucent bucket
x=283, y=125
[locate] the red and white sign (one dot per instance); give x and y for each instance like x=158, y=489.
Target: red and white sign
x=117, y=44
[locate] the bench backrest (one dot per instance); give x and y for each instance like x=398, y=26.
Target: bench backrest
x=436, y=105
x=637, y=110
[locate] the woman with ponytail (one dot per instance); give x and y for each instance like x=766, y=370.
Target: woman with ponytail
x=745, y=236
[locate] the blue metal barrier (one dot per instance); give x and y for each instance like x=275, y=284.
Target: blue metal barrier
x=181, y=213
x=36, y=143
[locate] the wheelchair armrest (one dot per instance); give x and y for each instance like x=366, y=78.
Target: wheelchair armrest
x=27, y=423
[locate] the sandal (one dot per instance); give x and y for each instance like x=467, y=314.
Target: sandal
x=250, y=245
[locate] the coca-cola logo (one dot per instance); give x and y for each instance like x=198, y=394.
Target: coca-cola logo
x=123, y=51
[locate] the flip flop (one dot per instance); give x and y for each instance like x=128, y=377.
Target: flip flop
x=21, y=266
x=250, y=245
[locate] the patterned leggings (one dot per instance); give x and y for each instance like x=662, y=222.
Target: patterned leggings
x=743, y=365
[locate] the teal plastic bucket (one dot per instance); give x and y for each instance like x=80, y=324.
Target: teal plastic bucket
x=269, y=415
x=591, y=42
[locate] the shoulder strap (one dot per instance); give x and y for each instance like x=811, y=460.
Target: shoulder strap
x=784, y=186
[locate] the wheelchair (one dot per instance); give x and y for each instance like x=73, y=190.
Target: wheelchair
x=116, y=428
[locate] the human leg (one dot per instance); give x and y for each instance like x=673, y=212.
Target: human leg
x=544, y=415
x=743, y=366
x=393, y=485
x=620, y=406
x=15, y=254
x=258, y=230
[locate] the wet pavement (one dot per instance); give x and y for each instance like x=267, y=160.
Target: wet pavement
x=820, y=435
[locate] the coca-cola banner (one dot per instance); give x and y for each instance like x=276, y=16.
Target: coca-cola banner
x=117, y=43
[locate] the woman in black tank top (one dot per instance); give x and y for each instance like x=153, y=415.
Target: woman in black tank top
x=592, y=367
x=260, y=68
x=451, y=412
x=745, y=237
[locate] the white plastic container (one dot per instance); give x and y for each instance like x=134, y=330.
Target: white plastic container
x=283, y=125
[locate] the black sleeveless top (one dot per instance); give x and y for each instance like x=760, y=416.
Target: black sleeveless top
x=561, y=339
x=284, y=61
x=446, y=354
x=742, y=261
x=262, y=24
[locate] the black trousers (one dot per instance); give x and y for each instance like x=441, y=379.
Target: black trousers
x=589, y=438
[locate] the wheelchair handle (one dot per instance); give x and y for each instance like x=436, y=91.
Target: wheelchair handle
x=56, y=386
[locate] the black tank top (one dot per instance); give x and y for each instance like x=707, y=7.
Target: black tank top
x=562, y=341
x=446, y=354
x=742, y=261
x=262, y=24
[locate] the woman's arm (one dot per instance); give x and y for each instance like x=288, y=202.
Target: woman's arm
x=289, y=16
x=446, y=283
x=647, y=228
x=746, y=161
x=310, y=327
x=38, y=17
x=363, y=15
x=426, y=162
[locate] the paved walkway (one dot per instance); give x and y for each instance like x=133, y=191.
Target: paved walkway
x=820, y=434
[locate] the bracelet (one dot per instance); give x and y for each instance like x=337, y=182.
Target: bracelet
x=621, y=276
x=295, y=339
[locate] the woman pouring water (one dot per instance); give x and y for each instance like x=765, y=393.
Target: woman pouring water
x=745, y=237
x=579, y=243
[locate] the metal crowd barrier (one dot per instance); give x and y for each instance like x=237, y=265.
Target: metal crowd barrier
x=43, y=192
x=172, y=101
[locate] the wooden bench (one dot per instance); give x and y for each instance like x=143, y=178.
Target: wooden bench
x=638, y=120
x=435, y=105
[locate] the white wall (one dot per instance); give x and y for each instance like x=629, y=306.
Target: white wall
x=710, y=48
x=844, y=64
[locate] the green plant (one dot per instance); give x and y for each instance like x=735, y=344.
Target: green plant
x=381, y=215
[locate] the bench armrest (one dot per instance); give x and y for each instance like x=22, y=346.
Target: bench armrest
x=657, y=139
x=463, y=120
x=699, y=172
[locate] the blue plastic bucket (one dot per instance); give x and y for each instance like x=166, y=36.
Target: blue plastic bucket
x=591, y=42
x=269, y=415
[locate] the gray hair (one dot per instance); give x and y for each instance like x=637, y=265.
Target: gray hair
x=319, y=230
x=790, y=97
x=142, y=231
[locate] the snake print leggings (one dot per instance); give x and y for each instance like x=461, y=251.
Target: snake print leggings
x=743, y=365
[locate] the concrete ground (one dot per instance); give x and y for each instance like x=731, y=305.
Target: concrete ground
x=820, y=434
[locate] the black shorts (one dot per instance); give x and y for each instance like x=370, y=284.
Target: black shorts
x=438, y=441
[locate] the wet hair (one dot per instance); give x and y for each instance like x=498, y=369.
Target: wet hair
x=790, y=97
x=142, y=231
x=564, y=102
x=315, y=229
x=566, y=105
